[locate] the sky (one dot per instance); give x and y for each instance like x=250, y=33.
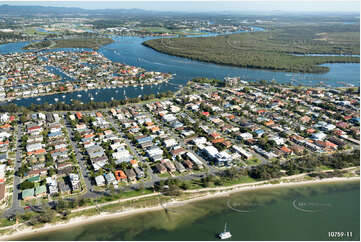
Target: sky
x=205, y=6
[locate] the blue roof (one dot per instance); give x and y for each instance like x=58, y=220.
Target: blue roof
x=145, y=139
x=55, y=134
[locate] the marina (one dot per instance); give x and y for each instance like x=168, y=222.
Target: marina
x=184, y=70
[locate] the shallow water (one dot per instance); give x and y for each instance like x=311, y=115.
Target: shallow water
x=306, y=212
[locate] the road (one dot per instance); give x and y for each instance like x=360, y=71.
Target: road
x=212, y=170
x=81, y=162
x=150, y=172
x=16, y=207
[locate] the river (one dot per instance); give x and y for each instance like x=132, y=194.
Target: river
x=288, y=213
x=129, y=50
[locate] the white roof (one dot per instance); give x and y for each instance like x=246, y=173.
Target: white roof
x=194, y=158
x=211, y=150
x=2, y=171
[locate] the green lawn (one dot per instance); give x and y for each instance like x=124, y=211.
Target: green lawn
x=155, y=29
x=164, y=175
x=12, y=155
x=242, y=179
x=253, y=161
x=34, y=31
x=5, y=222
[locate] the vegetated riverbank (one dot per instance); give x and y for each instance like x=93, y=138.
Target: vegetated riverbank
x=91, y=43
x=272, y=50
x=18, y=231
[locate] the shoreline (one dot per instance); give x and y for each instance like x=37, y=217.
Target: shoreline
x=220, y=192
x=83, y=89
x=199, y=59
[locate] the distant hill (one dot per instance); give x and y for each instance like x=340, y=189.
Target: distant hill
x=7, y=10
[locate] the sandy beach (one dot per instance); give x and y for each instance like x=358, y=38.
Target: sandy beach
x=213, y=193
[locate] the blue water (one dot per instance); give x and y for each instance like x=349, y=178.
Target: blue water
x=129, y=50
x=326, y=55
x=56, y=71
x=45, y=31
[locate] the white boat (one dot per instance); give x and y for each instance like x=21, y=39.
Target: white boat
x=225, y=234
x=56, y=99
x=116, y=91
x=38, y=99
x=112, y=98
x=79, y=95
x=63, y=96
x=92, y=98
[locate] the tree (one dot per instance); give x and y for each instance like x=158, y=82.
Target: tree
x=186, y=185
x=26, y=185
x=23, y=118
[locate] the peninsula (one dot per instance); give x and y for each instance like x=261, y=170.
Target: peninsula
x=91, y=43
x=277, y=49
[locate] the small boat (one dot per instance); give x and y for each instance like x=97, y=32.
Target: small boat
x=96, y=93
x=116, y=91
x=38, y=99
x=56, y=99
x=92, y=98
x=225, y=234
x=112, y=98
x=63, y=96
x=79, y=95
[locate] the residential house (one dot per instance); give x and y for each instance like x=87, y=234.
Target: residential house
x=40, y=191
x=131, y=175
x=100, y=180
x=28, y=194
x=160, y=168
x=139, y=172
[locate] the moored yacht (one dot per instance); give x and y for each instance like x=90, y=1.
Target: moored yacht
x=225, y=234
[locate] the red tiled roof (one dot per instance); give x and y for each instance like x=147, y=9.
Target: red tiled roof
x=119, y=174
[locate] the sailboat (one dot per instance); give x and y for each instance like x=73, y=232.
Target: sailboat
x=225, y=234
